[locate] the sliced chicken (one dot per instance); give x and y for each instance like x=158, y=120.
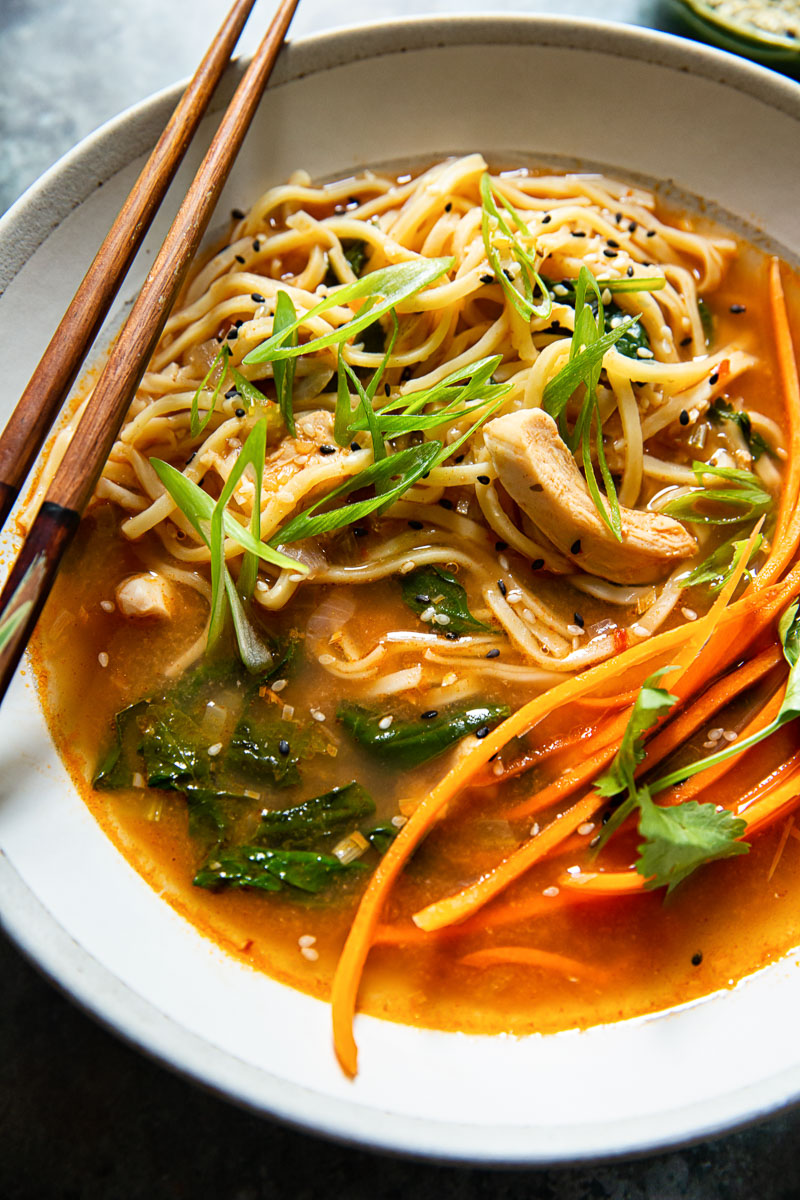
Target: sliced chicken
x=145, y=596
x=537, y=470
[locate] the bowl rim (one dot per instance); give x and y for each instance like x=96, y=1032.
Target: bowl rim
x=36, y=930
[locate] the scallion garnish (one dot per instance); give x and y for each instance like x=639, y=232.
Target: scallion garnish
x=220, y=360
x=745, y=496
x=529, y=276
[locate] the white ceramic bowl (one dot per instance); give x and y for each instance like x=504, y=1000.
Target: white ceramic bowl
x=640, y=103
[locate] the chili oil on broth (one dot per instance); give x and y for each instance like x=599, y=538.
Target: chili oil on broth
x=639, y=954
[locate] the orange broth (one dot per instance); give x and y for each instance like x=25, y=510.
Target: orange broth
x=636, y=954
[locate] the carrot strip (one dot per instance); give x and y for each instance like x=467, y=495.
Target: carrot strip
x=350, y=967
x=780, y=848
x=530, y=758
x=778, y=801
x=529, y=956
x=782, y=549
x=604, y=883
x=623, y=700
x=698, y=783
x=570, y=780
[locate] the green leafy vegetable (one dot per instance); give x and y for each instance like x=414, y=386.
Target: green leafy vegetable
x=677, y=839
x=716, y=570
x=264, y=745
x=410, y=743
x=381, y=290
x=722, y=410
x=355, y=252
x=634, y=336
x=789, y=632
x=380, y=837
x=220, y=361
x=494, y=228
x=271, y=870
x=121, y=761
x=432, y=588
x=712, y=505
x=707, y=321
x=332, y=813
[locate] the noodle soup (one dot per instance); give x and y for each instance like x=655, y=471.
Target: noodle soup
x=545, y=451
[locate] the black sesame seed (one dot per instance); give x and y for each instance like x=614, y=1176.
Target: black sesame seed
x=537, y=564
x=354, y=446
x=425, y=475
x=610, y=253
x=445, y=503
x=238, y=324
x=712, y=379
x=629, y=272
x=256, y=246
x=239, y=413
x=449, y=206
x=451, y=637
x=502, y=587
x=684, y=417
x=632, y=227
x=493, y=653
x=546, y=219
x=191, y=457
x=738, y=308
x=283, y=747
x=422, y=598
x=508, y=275
x=640, y=383
x=484, y=479
x=429, y=715
x=612, y=243
x=359, y=531
x=618, y=217
x=578, y=619
x=327, y=449
x=240, y=258
x=459, y=458
x=579, y=233
x=575, y=548
x=231, y=394
x=237, y=214
x=415, y=524
x=500, y=546
x=697, y=959
x=387, y=391
x=687, y=341
x=259, y=299
x=487, y=278
x=232, y=335
x=482, y=732
x=406, y=374
x=650, y=233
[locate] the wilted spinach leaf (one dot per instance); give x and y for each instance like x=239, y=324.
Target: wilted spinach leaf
x=334, y=812
x=432, y=588
x=409, y=743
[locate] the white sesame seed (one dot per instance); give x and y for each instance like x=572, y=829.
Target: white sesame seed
x=441, y=618
x=689, y=614
x=307, y=939
x=573, y=871
x=560, y=290
x=709, y=745
x=407, y=566
x=449, y=679
x=503, y=561
x=107, y=605
x=399, y=821
x=326, y=660
x=317, y=715
x=279, y=685
x=550, y=891
x=514, y=596
x=606, y=296
x=585, y=829
x=715, y=734
x=575, y=630
x=310, y=953
x=640, y=630
x=215, y=749
x=296, y=578
x=102, y=658
x=644, y=352
x=261, y=585
x=385, y=722
x=535, y=829
x=730, y=735
x=427, y=614
x=498, y=769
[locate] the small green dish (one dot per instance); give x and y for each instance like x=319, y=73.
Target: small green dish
x=765, y=47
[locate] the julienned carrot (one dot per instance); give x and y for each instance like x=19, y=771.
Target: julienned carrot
x=782, y=549
x=529, y=956
x=571, y=779
x=698, y=783
x=604, y=883
x=530, y=758
x=622, y=700
x=716, y=698
x=777, y=803
x=778, y=775
x=356, y=948
x=350, y=967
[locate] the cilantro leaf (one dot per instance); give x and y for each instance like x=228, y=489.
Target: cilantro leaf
x=683, y=837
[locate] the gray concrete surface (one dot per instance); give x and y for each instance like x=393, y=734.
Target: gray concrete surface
x=82, y=1116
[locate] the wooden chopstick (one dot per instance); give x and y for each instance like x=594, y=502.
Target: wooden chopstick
x=43, y=397
x=33, y=573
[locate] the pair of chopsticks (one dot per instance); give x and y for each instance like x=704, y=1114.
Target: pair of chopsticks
x=32, y=575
